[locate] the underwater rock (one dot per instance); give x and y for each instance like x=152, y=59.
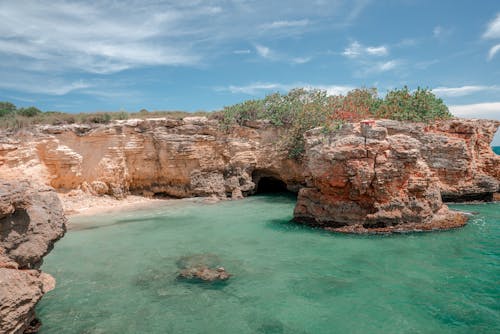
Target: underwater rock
x=204, y=274
x=201, y=268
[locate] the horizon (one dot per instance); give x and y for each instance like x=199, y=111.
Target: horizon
x=79, y=56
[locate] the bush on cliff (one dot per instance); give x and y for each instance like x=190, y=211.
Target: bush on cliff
x=420, y=106
x=301, y=110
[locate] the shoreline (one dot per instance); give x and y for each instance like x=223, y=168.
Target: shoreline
x=88, y=205
x=80, y=204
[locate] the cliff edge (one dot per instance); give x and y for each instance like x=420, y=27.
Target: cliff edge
x=374, y=174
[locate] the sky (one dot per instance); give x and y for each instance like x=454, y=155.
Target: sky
x=191, y=55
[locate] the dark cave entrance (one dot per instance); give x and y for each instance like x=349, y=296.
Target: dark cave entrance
x=269, y=184
x=266, y=183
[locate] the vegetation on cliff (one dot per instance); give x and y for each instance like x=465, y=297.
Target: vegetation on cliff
x=297, y=111
x=301, y=110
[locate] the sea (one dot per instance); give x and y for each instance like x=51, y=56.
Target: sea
x=117, y=273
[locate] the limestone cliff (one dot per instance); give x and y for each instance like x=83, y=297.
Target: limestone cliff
x=377, y=174
x=389, y=176
x=30, y=222
x=192, y=157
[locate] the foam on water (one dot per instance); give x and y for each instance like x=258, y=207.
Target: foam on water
x=117, y=274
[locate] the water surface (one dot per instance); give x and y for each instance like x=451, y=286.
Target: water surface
x=117, y=274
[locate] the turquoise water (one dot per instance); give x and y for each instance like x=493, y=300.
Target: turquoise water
x=496, y=149
x=117, y=274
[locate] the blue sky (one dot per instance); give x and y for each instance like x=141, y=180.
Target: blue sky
x=201, y=55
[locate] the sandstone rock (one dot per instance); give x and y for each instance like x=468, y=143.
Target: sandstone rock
x=30, y=222
x=100, y=188
x=176, y=158
x=376, y=178
x=405, y=166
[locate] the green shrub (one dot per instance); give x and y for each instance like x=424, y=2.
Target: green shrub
x=420, y=106
x=7, y=108
x=301, y=110
x=29, y=112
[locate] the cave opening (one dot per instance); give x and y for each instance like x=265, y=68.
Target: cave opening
x=267, y=183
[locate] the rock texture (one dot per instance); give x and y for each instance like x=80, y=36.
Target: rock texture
x=389, y=176
x=373, y=174
x=30, y=222
x=204, y=274
x=176, y=158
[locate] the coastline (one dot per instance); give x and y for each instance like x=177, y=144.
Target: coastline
x=84, y=204
x=89, y=205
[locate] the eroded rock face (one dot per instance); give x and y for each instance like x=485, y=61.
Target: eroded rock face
x=176, y=158
x=377, y=175
x=31, y=221
x=389, y=176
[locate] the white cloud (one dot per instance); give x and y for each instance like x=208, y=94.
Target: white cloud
x=242, y=52
x=90, y=37
x=377, y=51
x=263, y=87
x=254, y=88
x=463, y=90
x=488, y=110
x=357, y=50
x=62, y=38
x=265, y=52
x=40, y=85
x=301, y=60
x=269, y=54
x=441, y=32
x=285, y=24
x=386, y=66
x=493, y=51
x=332, y=89
x=493, y=29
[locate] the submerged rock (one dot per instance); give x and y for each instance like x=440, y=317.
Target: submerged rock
x=204, y=274
x=201, y=268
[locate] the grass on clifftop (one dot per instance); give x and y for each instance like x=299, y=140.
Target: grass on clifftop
x=298, y=111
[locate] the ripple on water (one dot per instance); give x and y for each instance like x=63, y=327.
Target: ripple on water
x=117, y=274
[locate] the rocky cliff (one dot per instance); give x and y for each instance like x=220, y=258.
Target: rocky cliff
x=177, y=158
x=30, y=222
x=388, y=176
x=373, y=174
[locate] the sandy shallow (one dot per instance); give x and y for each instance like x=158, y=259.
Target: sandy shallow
x=83, y=204
x=88, y=205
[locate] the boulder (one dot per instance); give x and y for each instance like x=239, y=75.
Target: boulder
x=31, y=221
